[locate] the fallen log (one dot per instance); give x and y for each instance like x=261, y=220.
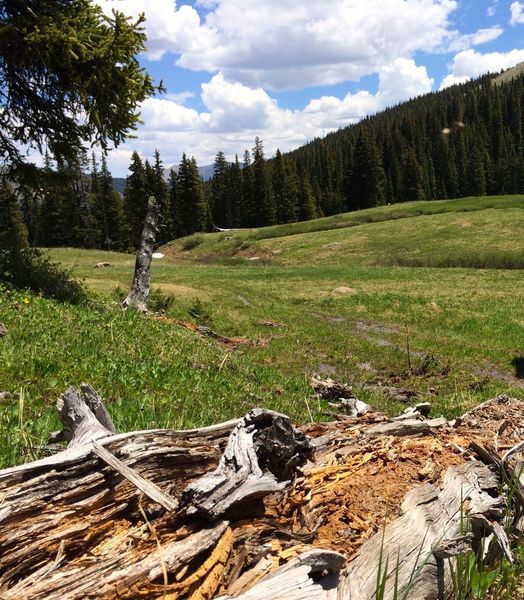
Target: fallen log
x=255, y=508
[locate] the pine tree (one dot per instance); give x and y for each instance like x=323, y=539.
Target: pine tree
x=135, y=198
x=110, y=211
x=219, y=200
x=285, y=189
x=413, y=178
x=234, y=193
x=306, y=201
x=476, y=179
x=247, y=203
x=368, y=177
x=192, y=210
x=263, y=201
x=159, y=189
x=13, y=232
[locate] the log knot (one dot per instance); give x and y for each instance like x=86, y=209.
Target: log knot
x=263, y=453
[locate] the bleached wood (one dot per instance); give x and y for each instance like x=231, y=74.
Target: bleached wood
x=152, y=491
x=312, y=575
x=80, y=425
x=261, y=456
x=431, y=515
x=74, y=526
x=137, y=297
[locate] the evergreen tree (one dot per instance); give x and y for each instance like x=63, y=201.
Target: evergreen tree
x=135, y=198
x=13, y=232
x=220, y=206
x=175, y=212
x=476, y=180
x=110, y=211
x=247, y=201
x=234, y=192
x=263, y=200
x=306, y=201
x=285, y=189
x=413, y=178
x=192, y=210
x=368, y=178
x=159, y=189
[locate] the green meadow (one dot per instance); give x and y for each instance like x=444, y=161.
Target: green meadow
x=427, y=296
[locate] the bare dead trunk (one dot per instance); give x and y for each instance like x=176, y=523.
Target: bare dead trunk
x=234, y=511
x=137, y=297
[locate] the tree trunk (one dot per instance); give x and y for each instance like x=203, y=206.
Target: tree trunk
x=137, y=297
x=256, y=509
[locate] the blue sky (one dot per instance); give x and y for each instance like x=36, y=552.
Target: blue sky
x=291, y=70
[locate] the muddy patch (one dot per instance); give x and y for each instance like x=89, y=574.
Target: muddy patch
x=488, y=372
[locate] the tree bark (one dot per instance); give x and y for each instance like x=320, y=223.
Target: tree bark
x=137, y=297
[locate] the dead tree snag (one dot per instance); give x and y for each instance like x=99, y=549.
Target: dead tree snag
x=137, y=297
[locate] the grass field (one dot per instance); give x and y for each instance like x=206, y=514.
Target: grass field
x=464, y=326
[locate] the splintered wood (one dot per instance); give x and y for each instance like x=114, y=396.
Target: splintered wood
x=257, y=509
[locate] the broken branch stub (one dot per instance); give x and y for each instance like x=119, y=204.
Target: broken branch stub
x=261, y=456
x=83, y=415
x=137, y=297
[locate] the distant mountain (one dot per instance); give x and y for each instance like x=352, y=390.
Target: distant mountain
x=206, y=173
x=509, y=74
x=119, y=183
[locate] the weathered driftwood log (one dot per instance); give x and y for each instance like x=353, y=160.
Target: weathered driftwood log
x=137, y=297
x=167, y=514
x=261, y=457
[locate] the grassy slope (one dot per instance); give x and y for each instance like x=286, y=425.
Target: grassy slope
x=155, y=374
x=466, y=232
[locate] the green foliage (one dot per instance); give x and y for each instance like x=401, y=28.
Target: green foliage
x=199, y=313
x=159, y=301
x=471, y=581
x=13, y=232
x=68, y=74
x=192, y=241
x=191, y=210
x=135, y=198
x=31, y=269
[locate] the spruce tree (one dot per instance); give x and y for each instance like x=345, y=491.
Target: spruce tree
x=247, y=204
x=285, y=189
x=413, y=178
x=110, y=211
x=159, y=189
x=219, y=199
x=135, y=198
x=13, y=232
x=368, y=177
x=192, y=208
x=306, y=201
x=263, y=200
x=234, y=193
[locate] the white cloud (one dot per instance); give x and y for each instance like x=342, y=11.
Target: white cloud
x=470, y=63
x=293, y=44
x=235, y=114
x=481, y=36
x=517, y=13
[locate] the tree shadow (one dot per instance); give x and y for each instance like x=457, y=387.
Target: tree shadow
x=518, y=363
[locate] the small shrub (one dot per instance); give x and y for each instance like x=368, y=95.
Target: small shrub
x=192, y=242
x=199, y=312
x=31, y=269
x=159, y=301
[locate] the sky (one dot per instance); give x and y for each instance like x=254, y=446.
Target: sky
x=292, y=70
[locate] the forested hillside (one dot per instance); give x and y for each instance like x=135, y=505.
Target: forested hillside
x=466, y=140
